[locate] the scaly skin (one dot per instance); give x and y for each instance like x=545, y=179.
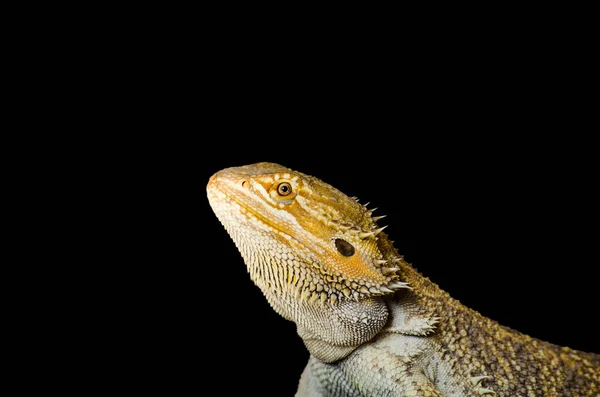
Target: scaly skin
x=372, y=324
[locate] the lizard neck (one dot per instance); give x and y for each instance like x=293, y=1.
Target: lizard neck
x=426, y=310
x=416, y=311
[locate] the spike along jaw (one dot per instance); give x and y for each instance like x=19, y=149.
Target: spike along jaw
x=318, y=256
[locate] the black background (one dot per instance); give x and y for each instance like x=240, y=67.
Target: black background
x=480, y=151
x=503, y=236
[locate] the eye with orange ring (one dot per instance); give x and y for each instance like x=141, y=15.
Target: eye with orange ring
x=284, y=189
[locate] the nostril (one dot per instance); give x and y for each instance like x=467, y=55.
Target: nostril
x=245, y=184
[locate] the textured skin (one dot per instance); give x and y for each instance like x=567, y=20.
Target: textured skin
x=373, y=325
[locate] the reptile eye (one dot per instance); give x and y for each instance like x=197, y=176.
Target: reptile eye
x=284, y=189
x=344, y=247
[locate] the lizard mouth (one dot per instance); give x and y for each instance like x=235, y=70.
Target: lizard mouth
x=221, y=200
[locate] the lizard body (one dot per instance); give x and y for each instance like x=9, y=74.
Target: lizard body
x=373, y=325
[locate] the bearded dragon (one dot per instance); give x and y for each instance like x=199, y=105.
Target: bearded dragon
x=373, y=325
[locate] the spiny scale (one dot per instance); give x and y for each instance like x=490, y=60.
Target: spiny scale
x=337, y=287
x=372, y=233
x=389, y=270
x=351, y=290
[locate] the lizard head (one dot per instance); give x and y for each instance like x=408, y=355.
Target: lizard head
x=317, y=255
x=301, y=236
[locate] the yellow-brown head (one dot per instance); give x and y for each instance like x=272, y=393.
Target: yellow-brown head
x=300, y=236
